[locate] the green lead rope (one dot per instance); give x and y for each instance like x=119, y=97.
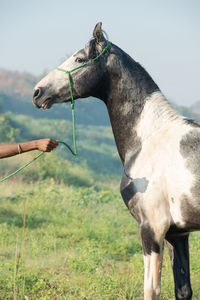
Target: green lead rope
x=21, y=168
x=74, y=152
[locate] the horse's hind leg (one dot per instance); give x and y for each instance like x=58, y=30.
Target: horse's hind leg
x=179, y=255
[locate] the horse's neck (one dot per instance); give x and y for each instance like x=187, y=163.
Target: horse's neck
x=131, y=132
x=136, y=107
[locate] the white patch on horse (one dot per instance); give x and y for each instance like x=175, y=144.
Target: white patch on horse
x=161, y=130
x=156, y=115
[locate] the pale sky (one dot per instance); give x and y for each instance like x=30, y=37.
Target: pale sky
x=163, y=35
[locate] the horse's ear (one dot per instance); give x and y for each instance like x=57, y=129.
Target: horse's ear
x=97, y=33
x=92, y=49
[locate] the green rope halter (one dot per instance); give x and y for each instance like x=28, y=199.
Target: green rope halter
x=74, y=152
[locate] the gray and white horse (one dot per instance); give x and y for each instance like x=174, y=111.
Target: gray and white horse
x=159, y=149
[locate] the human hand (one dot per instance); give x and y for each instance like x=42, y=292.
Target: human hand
x=46, y=145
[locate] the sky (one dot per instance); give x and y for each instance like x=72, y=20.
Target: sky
x=163, y=35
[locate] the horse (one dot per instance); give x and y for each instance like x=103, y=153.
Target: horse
x=159, y=150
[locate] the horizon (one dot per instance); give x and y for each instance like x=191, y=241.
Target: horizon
x=162, y=37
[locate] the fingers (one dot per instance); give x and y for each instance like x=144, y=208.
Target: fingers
x=52, y=145
x=54, y=142
x=47, y=145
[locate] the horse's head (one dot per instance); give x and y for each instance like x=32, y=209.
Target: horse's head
x=55, y=87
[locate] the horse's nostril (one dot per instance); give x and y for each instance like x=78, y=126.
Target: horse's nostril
x=37, y=93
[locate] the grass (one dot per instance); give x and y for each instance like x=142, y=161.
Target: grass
x=80, y=242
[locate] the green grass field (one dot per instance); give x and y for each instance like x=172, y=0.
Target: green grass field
x=74, y=241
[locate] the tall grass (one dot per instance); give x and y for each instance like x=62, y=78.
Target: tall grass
x=61, y=241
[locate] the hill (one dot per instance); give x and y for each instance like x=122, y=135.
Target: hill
x=186, y=112
x=195, y=108
x=17, y=84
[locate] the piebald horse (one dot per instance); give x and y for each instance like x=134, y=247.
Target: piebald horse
x=159, y=149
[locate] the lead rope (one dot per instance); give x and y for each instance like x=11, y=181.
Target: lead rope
x=74, y=152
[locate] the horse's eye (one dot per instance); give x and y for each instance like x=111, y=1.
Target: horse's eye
x=80, y=60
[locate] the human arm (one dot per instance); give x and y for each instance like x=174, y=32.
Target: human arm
x=45, y=145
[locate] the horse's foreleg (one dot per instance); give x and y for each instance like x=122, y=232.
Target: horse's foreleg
x=179, y=255
x=153, y=254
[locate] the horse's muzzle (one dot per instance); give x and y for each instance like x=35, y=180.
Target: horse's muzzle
x=36, y=97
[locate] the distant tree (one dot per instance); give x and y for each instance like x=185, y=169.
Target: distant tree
x=185, y=111
x=1, y=105
x=196, y=107
x=8, y=134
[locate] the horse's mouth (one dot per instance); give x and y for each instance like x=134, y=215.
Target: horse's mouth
x=46, y=104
